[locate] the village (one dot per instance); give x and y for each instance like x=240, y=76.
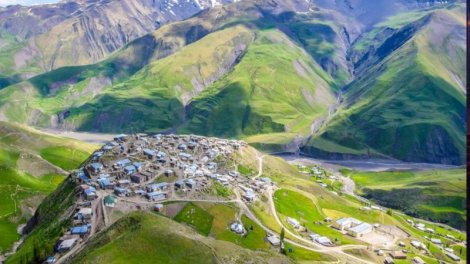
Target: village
x=147, y=172
x=150, y=170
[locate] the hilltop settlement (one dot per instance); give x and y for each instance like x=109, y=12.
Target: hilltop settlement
x=150, y=170
x=156, y=172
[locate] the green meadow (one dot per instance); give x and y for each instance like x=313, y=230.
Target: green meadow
x=437, y=195
x=31, y=167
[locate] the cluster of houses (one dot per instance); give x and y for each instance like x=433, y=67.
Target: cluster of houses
x=80, y=229
x=449, y=252
x=152, y=168
x=130, y=165
x=315, y=171
x=155, y=168
x=420, y=226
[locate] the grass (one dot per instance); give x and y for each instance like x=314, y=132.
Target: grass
x=51, y=220
x=224, y=216
x=245, y=171
x=145, y=238
x=64, y=157
x=196, y=217
x=438, y=195
x=293, y=204
x=241, y=102
x=221, y=190
x=380, y=116
x=300, y=254
x=26, y=178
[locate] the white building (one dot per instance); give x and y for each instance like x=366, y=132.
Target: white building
x=293, y=222
x=346, y=223
x=360, y=230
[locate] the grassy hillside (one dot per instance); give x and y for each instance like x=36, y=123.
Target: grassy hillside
x=439, y=196
x=253, y=99
x=237, y=62
x=32, y=164
x=132, y=238
x=408, y=104
x=301, y=197
x=201, y=228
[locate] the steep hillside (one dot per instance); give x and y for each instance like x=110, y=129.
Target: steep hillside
x=408, y=100
x=41, y=38
x=32, y=164
x=369, y=13
x=182, y=67
x=269, y=72
x=169, y=242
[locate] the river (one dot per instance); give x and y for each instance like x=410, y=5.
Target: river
x=365, y=165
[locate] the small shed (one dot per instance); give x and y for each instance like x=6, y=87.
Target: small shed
x=158, y=207
x=110, y=200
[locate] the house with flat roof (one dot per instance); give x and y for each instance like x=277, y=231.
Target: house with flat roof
x=150, y=153
x=96, y=167
x=249, y=195
x=105, y=183
x=79, y=230
x=138, y=178
x=156, y=196
x=97, y=155
x=130, y=169
x=65, y=245
x=346, y=223
x=360, y=230
x=293, y=222
x=179, y=184
x=84, y=213
x=122, y=163
x=452, y=256
x=274, y=240
x=418, y=260
x=90, y=193
x=190, y=183
x=120, y=191
x=398, y=254
x=157, y=187
x=323, y=241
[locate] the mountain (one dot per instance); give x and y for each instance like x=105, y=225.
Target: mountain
x=37, y=39
x=284, y=75
x=369, y=13
x=187, y=66
x=408, y=100
x=32, y=165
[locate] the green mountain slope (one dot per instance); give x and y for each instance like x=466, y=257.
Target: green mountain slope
x=438, y=195
x=165, y=80
x=408, y=101
x=269, y=72
x=32, y=164
x=169, y=242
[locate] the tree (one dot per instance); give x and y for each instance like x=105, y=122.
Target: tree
x=282, y=241
x=389, y=211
